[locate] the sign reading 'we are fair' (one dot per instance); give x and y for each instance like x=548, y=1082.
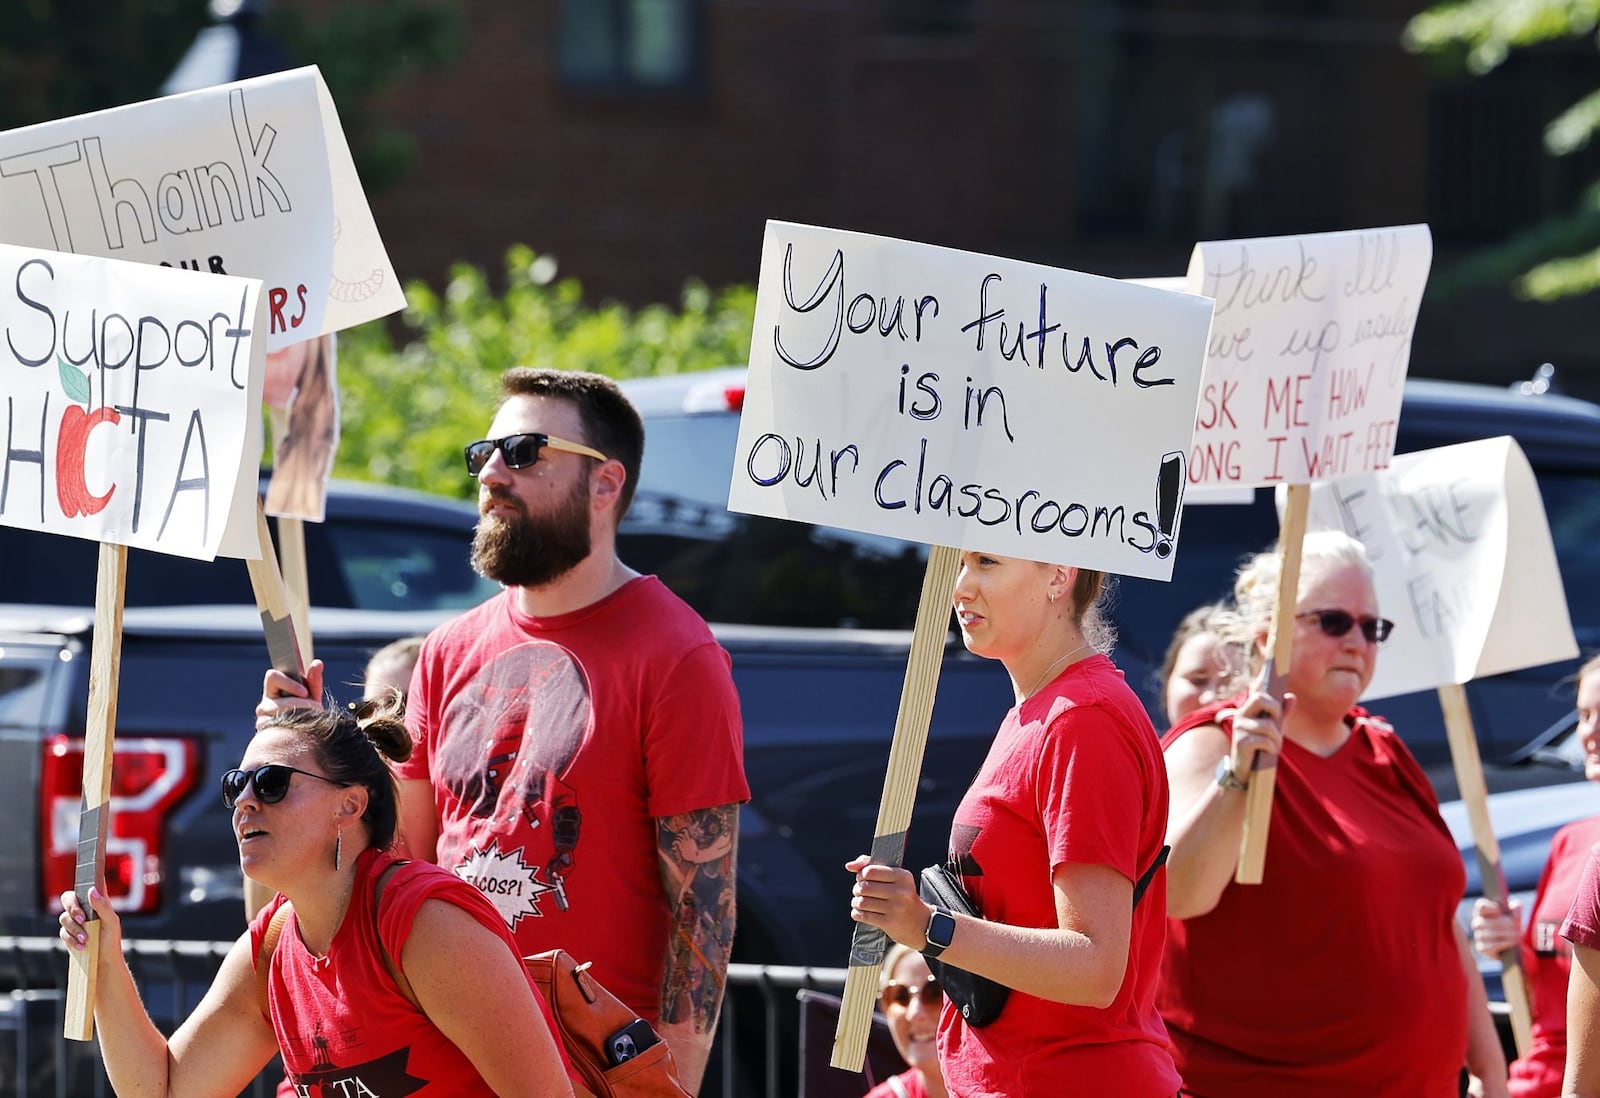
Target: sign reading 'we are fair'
x=966, y=400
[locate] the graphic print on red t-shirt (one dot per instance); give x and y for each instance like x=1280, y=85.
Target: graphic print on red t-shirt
x=516, y=729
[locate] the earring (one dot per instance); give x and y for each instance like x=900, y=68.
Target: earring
x=338, y=845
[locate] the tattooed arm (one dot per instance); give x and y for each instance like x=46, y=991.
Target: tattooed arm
x=697, y=852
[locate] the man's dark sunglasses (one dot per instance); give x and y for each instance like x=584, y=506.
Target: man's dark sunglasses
x=271, y=782
x=1336, y=623
x=930, y=994
x=521, y=451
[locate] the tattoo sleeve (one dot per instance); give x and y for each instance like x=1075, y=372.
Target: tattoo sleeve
x=697, y=851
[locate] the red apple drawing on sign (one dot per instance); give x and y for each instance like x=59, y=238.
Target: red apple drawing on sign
x=72, y=443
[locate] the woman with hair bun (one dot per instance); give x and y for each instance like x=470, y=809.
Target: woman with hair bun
x=421, y=993
x=1052, y=842
x=1344, y=972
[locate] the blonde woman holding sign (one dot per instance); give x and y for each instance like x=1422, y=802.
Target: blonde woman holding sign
x=1344, y=972
x=1053, y=843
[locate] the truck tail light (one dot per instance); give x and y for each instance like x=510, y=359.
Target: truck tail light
x=149, y=774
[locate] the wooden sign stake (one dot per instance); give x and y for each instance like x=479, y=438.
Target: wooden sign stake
x=869, y=944
x=283, y=647
x=1475, y=795
x=1280, y=647
x=105, y=661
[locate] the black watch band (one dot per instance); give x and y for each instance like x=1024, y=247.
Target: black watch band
x=941, y=929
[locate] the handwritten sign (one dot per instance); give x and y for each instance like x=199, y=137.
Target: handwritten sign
x=1308, y=353
x=959, y=399
x=131, y=396
x=1462, y=560
x=251, y=179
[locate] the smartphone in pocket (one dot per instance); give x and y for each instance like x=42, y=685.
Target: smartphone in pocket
x=630, y=1041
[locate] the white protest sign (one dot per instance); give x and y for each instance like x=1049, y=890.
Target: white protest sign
x=252, y=179
x=1308, y=353
x=132, y=397
x=1462, y=561
x=965, y=400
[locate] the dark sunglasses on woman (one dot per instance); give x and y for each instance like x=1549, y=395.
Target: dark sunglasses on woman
x=1336, y=623
x=521, y=451
x=271, y=782
x=929, y=994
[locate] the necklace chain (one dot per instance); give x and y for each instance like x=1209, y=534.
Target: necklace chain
x=1054, y=667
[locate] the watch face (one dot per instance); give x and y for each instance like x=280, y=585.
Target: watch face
x=941, y=928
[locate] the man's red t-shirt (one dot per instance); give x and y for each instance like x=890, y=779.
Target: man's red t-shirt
x=1547, y=961
x=1340, y=974
x=1075, y=776
x=553, y=746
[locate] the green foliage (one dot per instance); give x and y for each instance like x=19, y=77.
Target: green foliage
x=407, y=410
x=1561, y=256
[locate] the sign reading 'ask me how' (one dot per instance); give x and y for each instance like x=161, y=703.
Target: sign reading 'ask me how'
x=966, y=400
x=1307, y=359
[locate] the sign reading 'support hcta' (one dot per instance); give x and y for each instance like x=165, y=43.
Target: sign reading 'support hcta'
x=1308, y=353
x=131, y=395
x=251, y=179
x=966, y=400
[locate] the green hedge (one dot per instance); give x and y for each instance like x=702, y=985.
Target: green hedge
x=406, y=411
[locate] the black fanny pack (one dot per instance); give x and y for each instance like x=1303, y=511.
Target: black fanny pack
x=980, y=999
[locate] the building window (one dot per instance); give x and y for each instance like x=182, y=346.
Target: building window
x=631, y=44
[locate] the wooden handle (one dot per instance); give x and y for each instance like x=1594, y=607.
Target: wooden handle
x=1475, y=796
x=284, y=647
x=1280, y=648
x=105, y=662
x=869, y=944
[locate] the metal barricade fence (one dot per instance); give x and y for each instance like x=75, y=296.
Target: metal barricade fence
x=756, y=1051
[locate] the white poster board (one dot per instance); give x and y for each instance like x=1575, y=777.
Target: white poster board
x=965, y=400
x=252, y=179
x=132, y=395
x=1308, y=353
x=1462, y=560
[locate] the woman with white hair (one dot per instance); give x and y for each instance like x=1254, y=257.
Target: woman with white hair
x=1344, y=972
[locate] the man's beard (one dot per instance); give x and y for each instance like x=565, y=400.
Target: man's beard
x=521, y=551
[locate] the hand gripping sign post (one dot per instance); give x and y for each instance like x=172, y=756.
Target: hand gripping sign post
x=957, y=399
x=1463, y=562
x=1304, y=374
x=132, y=401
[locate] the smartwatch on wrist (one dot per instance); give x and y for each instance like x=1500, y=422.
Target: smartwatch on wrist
x=1226, y=778
x=941, y=929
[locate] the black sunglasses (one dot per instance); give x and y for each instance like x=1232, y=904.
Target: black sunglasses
x=929, y=994
x=1336, y=623
x=271, y=782
x=521, y=451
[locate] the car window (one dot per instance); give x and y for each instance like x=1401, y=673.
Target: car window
x=1572, y=507
x=397, y=566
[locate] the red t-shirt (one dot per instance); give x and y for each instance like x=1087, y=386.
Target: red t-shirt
x=342, y=1023
x=1547, y=961
x=910, y=1087
x=553, y=744
x=1340, y=974
x=1075, y=775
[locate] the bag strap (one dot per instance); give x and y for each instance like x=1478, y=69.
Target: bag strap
x=1149, y=875
x=395, y=972
x=269, y=946
x=898, y=1087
